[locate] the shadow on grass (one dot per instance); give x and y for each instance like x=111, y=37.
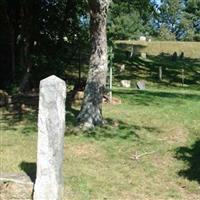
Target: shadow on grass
x=191, y=156
x=27, y=121
x=11, y=121
x=114, y=129
x=29, y=169
x=148, y=98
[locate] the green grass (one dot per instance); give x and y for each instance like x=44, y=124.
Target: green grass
x=98, y=164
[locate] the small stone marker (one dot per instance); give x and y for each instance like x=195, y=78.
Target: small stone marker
x=143, y=38
x=126, y=83
x=51, y=128
x=182, y=55
x=143, y=55
x=149, y=40
x=174, y=56
x=140, y=85
x=122, y=67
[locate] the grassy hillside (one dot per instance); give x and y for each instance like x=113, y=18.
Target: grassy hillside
x=159, y=54
x=190, y=49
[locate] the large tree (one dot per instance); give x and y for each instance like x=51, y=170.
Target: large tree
x=91, y=110
x=39, y=38
x=171, y=14
x=129, y=19
x=192, y=20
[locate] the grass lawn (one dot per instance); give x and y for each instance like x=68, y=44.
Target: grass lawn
x=160, y=126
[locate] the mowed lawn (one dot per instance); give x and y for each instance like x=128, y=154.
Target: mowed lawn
x=148, y=149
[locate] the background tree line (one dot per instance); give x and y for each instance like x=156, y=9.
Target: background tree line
x=41, y=37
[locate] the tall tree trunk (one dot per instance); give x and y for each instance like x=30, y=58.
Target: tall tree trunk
x=12, y=49
x=91, y=110
x=79, y=66
x=24, y=85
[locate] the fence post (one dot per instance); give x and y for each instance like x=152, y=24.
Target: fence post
x=183, y=76
x=160, y=73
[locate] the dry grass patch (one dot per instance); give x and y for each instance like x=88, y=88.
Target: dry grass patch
x=84, y=151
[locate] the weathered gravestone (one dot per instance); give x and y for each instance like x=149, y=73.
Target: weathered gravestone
x=174, y=56
x=126, y=83
x=140, y=85
x=182, y=55
x=122, y=68
x=51, y=128
x=143, y=38
x=143, y=55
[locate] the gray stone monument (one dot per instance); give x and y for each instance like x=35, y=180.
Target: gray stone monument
x=126, y=83
x=51, y=128
x=140, y=85
x=143, y=55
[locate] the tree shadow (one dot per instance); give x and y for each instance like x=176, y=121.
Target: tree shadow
x=114, y=129
x=191, y=157
x=30, y=169
x=148, y=98
x=11, y=118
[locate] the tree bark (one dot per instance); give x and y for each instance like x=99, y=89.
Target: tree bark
x=24, y=85
x=12, y=49
x=91, y=110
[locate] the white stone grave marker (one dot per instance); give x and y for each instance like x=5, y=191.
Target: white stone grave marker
x=51, y=128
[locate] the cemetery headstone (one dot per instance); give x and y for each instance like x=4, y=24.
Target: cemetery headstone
x=149, y=40
x=140, y=85
x=51, y=128
x=126, y=83
x=143, y=55
x=174, y=56
x=143, y=38
x=182, y=55
x=122, y=67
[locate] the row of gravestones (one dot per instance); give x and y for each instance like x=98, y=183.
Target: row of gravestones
x=139, y=84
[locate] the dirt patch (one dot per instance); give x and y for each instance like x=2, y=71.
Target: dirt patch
x=175, y=135
x=85, y=151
